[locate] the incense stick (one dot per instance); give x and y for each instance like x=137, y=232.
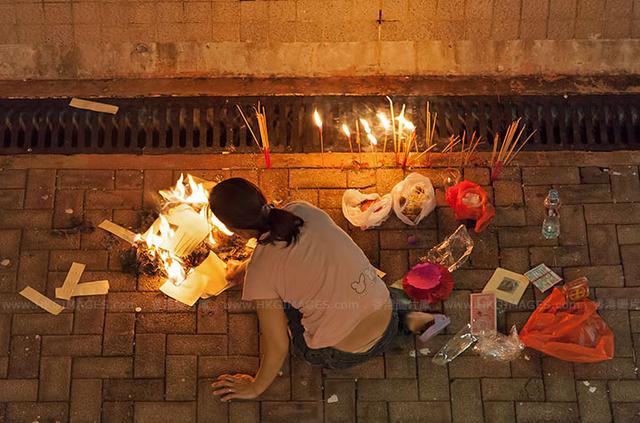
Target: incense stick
x=510, y=146
x=393, y=127
x=246, y=121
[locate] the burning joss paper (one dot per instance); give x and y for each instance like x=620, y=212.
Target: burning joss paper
x=186, y=226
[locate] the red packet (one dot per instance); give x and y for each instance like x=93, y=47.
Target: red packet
x=483, y=312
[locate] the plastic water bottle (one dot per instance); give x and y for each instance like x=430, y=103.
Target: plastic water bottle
x=551, y=224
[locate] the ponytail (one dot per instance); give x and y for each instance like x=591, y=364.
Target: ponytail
x=240, y=204
x=281, y=225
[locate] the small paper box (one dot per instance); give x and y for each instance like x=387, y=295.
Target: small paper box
x=483, y=313
x=542, y=277
x=508, y=286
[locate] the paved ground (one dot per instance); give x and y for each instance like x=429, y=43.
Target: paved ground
x=103, y=360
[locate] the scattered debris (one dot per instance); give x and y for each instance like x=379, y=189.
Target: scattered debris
x=586, y=383
x=87, y=288
x=593, y=389
x=138, y=309
x=68, y=211
x=5, y=262
x=93, y=106
x=70, y=282
x=412, y=353
x=41, y=301
x=83, y=227
x=332, y=399
x=118, y=231
x=424, y=351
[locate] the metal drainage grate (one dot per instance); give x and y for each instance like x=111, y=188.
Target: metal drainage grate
x=209, y=124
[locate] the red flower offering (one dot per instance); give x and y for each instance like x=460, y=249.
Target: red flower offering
x=430, y=282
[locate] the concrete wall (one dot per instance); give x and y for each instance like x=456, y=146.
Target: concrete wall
x=131, y=39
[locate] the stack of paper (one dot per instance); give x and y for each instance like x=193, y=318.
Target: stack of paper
x=202, y=282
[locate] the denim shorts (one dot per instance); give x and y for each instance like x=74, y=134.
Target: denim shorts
x=331, y=358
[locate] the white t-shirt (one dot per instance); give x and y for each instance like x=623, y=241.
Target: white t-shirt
x=325, y=275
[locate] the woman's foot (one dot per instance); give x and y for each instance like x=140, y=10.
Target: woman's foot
x=417, y=321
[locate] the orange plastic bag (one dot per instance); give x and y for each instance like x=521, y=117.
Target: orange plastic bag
x=568, y=331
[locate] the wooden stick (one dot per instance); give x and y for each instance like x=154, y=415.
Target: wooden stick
x=384, y=146
x=358, y=139
x=427, y=121
x=496, y=138
x=425, y=151
x=249, y=126
x=510, y=158
x=393, y=125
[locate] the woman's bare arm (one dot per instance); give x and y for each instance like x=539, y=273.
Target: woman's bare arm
x=274, y=346
x=274, y=341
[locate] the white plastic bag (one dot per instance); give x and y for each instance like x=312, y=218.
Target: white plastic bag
x=413, y=198
x=360, y=212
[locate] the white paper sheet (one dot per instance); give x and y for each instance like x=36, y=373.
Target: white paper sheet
x=118, y=231
x=89, y=288
x=204, y=281
x=70, y=282
x=94, y=106
x=41, y=301
x=191, y=230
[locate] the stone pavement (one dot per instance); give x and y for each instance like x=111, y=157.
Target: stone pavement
x=101, y=360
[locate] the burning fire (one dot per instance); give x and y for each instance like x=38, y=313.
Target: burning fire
x=346, y=130
x=317, y=119
x=184, y=223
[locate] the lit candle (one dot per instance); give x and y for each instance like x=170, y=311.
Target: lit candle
x=347, y=133
x=371, y=138
x=316, y=118
x=409, y=138
x=373, y=142
x=385, y=124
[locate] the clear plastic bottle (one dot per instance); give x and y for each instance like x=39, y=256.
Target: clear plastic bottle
x=551, y=224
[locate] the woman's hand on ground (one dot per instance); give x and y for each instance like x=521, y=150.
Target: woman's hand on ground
x=236, y=386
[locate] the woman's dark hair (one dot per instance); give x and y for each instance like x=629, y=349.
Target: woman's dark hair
x=240, y=204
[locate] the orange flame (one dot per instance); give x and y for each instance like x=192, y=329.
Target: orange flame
x=161, y=234
x=316, y=118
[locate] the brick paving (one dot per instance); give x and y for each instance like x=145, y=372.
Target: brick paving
x=101, y=360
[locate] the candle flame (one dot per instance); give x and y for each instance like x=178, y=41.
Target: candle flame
x=316, y=118
x=365, y=125
x=406, y=123
x=346, y=130
x=384, y=121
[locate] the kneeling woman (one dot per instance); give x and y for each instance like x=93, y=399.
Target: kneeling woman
x=310, y=281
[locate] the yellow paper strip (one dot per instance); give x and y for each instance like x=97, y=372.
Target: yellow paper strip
x=70, y=282
x=41, y=301
x=87, y=288
x=118, y=231
x=94, y=106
